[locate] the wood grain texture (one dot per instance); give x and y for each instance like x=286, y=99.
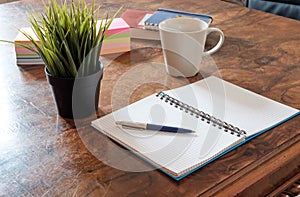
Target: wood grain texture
x=42, y=154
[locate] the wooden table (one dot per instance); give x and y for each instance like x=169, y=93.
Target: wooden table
x=42, y=154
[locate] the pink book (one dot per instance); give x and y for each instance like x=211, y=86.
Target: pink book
x=118, y=25
x=117, y=39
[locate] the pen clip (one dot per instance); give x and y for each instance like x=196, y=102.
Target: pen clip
x=129, y=127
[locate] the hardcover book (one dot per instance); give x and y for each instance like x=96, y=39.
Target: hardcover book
x=162, y=14
x=117, y=38
x=136, y=19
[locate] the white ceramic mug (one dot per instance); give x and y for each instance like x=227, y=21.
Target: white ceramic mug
x=183, y=40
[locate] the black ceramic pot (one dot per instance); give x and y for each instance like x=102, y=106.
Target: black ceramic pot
x=76, y=97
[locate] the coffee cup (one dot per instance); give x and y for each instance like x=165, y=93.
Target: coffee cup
x=183, y=43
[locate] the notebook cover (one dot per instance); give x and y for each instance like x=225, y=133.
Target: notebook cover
x=136, y=19
x=163, y=14
x=133, y=17
x=118, y=26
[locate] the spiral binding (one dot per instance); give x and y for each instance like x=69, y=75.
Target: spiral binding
x=200, y=114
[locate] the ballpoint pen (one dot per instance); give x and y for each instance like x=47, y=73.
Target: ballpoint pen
x=155, y=127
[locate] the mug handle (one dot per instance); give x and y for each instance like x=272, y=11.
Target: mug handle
x=220, y=42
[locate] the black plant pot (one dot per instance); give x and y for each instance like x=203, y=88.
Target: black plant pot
x=76, y=97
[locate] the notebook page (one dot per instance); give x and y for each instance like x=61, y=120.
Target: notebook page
x=240, y=107
x=175, y=152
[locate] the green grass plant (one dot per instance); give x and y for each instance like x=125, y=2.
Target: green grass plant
x=69, y=39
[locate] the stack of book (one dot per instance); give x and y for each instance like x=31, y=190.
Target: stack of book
x=144, y=24
x=25, y=56
x=117, y=40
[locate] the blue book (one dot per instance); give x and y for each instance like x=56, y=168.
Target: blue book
x=162, y=14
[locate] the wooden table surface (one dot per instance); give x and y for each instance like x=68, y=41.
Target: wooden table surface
x=42, y=154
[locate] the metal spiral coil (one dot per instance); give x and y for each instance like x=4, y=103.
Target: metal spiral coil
x=200, y=114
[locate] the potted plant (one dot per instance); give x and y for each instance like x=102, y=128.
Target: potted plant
x=69, y=43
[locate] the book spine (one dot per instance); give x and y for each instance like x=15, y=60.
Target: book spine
x=185, y=13
x=151, y=27
x=202, y=115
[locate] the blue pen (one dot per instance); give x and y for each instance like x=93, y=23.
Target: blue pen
x=154, y=127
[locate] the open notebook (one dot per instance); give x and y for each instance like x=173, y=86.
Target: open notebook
x=223, y=115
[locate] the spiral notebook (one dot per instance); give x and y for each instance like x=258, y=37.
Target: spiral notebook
x=223, y=115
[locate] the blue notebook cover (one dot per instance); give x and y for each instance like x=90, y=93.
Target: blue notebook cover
x=162, y=14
